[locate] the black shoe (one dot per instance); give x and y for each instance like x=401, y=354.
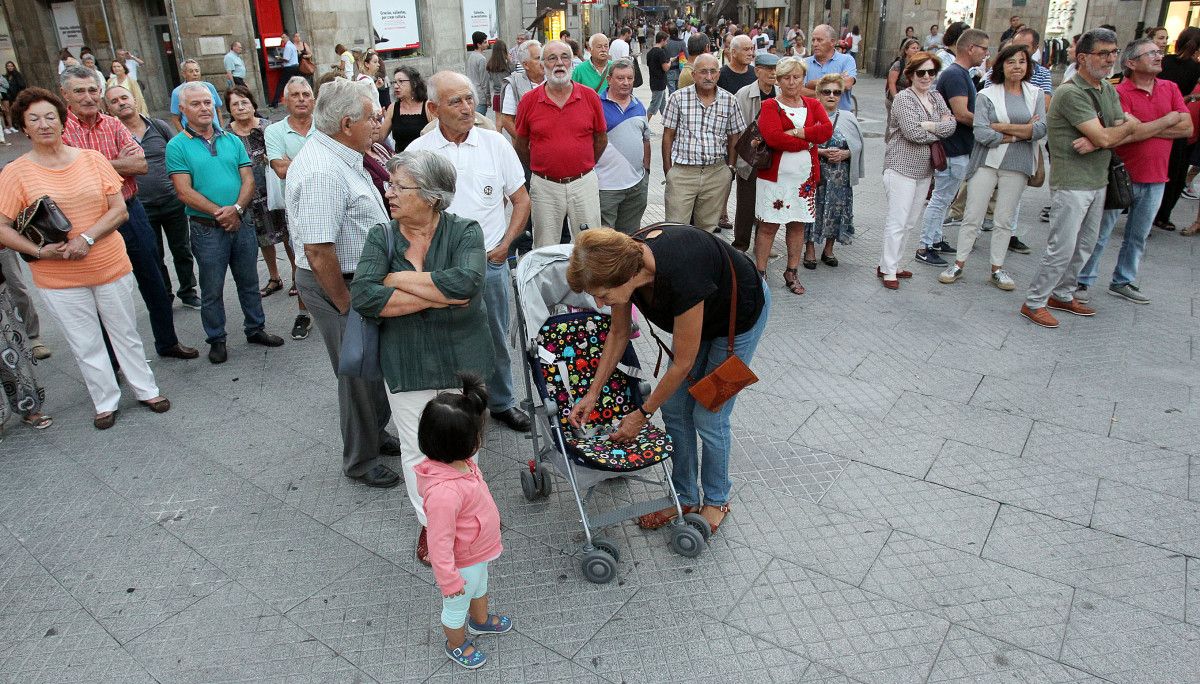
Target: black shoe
x=1015, y=245
x=301, y=327
x=390, y=447
x=190, y=300
x=929, y=256
x=515, y=419
x=265, y=338
x=217, y=352
x=180, y=352
x=379, y=476
x=944, y=247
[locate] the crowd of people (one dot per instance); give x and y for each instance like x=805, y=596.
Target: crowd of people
x=397, y=197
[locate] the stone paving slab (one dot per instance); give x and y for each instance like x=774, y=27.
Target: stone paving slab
x=968, y=656
x=1127, y=644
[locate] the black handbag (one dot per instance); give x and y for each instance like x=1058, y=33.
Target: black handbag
x=359, y=355
x=752, y=149
x=1119, y=194
x=43, y=223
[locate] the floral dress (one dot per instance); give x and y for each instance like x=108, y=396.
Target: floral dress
x=792, y=198
x=835, y=197
x=269, y=227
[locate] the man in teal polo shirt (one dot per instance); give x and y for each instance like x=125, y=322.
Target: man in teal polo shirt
x=594, y=72
x=211, y=173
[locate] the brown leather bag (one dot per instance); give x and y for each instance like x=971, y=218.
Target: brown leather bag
x=753, y=149
x=733, y=375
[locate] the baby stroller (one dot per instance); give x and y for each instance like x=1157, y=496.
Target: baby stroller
x=560, y=353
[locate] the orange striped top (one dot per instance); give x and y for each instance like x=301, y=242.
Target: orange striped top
x=80, y=190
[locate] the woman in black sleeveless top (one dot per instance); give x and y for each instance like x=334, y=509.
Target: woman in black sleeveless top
x=406, y=116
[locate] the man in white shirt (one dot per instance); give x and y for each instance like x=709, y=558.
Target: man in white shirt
x=132, y=62
x=488, y=172
x=934, y=39
x=529, y=55
x=620, y=47
x=291, y=67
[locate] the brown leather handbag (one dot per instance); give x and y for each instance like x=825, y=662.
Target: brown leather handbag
x=753, y=149
x=43, y=223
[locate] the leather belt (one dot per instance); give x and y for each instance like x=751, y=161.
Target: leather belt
x=348, y=276
x=203, y=220
x=561, y=181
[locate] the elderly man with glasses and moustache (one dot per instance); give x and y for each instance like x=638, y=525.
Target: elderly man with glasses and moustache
x=561, y=133
x=1160, y=105
x=489, y=172
x=212, y=177
x=1085, y=124
x=701, y=125
x=332, y=204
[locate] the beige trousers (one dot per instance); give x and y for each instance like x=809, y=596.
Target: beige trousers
x=695, y=194
x=578, y=201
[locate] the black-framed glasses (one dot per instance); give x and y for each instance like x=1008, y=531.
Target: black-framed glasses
x=388, y=187
x=925, y=72
x=1104, y=54
x=831, y=93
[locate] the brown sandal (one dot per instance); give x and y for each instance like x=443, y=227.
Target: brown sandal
x=723, y=509
x=793, y=283
x=659, y=519
x=1191, y=230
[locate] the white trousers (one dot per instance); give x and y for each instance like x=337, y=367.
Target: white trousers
x=905, y=201
x=79, y=312
x=1011, y=185
x=406, y=413
x=578, y=201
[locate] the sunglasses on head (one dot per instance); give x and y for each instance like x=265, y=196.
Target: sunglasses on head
x=925, y=72
x=831, y=92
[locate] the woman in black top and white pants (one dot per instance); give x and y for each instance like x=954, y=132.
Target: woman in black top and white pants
x=680, y=279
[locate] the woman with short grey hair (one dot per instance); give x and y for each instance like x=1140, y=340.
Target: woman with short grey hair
x=428, y=297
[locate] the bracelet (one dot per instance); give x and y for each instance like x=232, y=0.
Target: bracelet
x=39, y=253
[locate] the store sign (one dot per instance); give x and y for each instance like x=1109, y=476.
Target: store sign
x=395, y=24
x=480, y=15
x=70, y=33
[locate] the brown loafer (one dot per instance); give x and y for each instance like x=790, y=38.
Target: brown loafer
x=659, y=519
x=899, y=274
x=1039, y=316
x=158, y=405
x=890, y=284
x=180, y=351
x=105, y=420
x=1074, y=306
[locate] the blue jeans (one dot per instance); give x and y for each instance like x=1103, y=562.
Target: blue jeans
x=142, y=249
x=1146, y=198
x=945, y=187
x=686, y=420
x=495, y=297
x=216, y=250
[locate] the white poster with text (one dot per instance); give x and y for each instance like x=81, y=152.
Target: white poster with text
x=70, y=33
x=395, y=25
x=480, y=15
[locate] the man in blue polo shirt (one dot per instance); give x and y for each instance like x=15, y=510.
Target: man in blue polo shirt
x=825, y=59
x=623, y=172
x=211, y=173
x=191, y=74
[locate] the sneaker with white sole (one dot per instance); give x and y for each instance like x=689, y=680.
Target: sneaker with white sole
x=1128, y=291
x=927, y=255
x=1082, y=294
x=952, y=273
x=1002, y=280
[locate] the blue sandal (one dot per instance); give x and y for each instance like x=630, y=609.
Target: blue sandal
x=496, y=624
x=471, y=662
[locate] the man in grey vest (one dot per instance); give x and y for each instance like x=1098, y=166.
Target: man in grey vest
x=529, y=55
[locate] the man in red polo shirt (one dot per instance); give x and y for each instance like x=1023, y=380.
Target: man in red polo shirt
x=1158, y=104
x=561, y=133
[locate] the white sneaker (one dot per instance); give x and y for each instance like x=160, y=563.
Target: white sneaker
x=952, y=273
x=1002, y=280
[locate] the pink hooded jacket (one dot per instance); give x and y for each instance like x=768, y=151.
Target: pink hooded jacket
x=464, y=524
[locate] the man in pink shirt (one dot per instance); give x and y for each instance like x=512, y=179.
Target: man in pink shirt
x=1158, y=104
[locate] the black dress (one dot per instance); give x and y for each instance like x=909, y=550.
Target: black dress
x=407, y=128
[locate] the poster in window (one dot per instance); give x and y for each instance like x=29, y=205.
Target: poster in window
x=480, y=15
x=395, y=25
x=70, y=33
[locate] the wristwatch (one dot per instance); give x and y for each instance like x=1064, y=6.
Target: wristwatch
x=88, y=239
x=238, y=208
x=644, y=412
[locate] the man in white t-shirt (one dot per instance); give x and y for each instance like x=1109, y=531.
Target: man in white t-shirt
x=529, y=55
x=620, y=47
x=489, y=172
x=132, y=62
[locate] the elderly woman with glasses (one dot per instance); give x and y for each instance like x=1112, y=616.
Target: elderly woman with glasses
x=919, y=118
x=842, y=166
x=1010, y=115
x=786, y=192
x=427, y=296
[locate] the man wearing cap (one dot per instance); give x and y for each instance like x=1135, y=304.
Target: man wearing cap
x=749, y=99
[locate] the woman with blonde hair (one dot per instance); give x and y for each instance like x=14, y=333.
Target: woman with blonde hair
x=786, y=192
x=367, y=68
x=120, y=77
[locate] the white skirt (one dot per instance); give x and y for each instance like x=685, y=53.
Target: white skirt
x=791, y=199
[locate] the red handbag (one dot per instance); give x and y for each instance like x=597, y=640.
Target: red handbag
x=937, y=155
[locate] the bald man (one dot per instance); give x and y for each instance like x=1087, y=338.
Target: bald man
x=701, y=125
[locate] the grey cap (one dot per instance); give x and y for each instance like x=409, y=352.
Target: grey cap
x=766, y=59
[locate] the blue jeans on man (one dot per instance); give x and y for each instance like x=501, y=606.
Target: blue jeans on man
x=686, y=420
x=495, y=297
x=142, y=249
x=1146, y=199
x=216, y=250
x=945, y=186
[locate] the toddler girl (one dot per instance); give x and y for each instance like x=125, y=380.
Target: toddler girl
x=464, y=524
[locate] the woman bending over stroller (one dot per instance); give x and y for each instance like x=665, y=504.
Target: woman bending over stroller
x=680, y=278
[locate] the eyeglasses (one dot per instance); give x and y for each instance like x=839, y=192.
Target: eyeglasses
x=551, y=59
x=388, y=187
x=1104, y=54
x=831, y=93
x=924, y=72
x=402, y=80
x=1151, y=54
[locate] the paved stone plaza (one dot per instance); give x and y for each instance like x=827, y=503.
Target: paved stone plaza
x=927, y=488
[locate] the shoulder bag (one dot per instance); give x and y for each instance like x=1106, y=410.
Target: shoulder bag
x=1119, y=194
x=752, y=149
x=733, y=375
x=937, y=151
x=307, y=67
x=359, y=355
x=43, y=223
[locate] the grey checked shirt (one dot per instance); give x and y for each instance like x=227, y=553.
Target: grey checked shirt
x=701, y=132
x=331, y=199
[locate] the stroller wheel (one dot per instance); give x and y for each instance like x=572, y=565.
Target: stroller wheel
x=528, y=485
x=599, y=567
x=686, y=541
x=607, y=547
x=700, y=523
x=541, y=477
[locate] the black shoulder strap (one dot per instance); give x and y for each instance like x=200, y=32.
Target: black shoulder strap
x=163, y=129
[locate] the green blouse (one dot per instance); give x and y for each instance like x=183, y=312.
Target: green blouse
x=424, y=350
